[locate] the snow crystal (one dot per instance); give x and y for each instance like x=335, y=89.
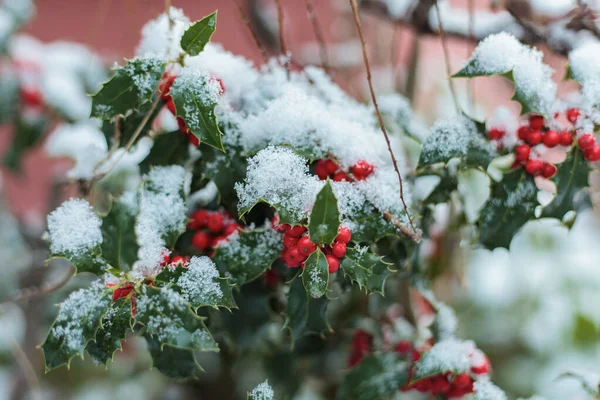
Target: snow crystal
x=197, y=84
x=486, y=390
x=585, y=67
x=399, y=108
x=317, y=282
x=502, y=52
x=74, y=228
x=162, y=40
x=280, y=177
x=262, y=392
x=445, y=322
x=142, y=72
x=446, y=355
x=166, y=179
x=200, y=284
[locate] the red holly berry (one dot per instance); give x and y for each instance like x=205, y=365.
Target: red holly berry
x=362, y=344
x=201, y=218
x=271, y=278
x=536, y=122
x=586, y=141
x=166, y=259
x=534, y=137
x=566, y=139
x=549, y=170
x=415, y=355
x=338, y=249
x=462, y=381
x=122, y=291
x=201, y=240
x=362, y=169
x=215, y=223
x=179, y=260
x=440, y=385
x=293, y=258
x=331, y=167
x=424, y=385
x=496, y=133
x=333, y=263
x=321, y=169
x=220, y=82
x=534, y=167
x=230, y=229
x=551, y=139
x=482, y=368
x=306, y=246
x=344, y=235
x=523, y=132
x=573, y=114
x=289, y=241
x=31, y=96
x=219, y=240
x=592, y=154
x=340, y=176
x=297, y=231
x=403, y=346
x=522, y=152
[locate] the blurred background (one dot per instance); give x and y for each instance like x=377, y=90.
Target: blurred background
x=533, y=309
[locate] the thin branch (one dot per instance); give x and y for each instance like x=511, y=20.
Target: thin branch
x=379, y=117
x=255, y=39
x=446, y=56
x=312, y=16
x=39, y=291
x=282, y=43
x=471, y=82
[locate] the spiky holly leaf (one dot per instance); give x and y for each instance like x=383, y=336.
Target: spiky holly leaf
x=171, y=361
x=196, y=95
x=198, y=34
x=170, y=148
x=248, y=254
x=27, y=134
x=115, y=324
x=366, y=269
x=119, y=242
x=571, y=179
x=456, y=138
x=370, y=226
x=324, y=218
x=224, y=169
x=511, y=204
x=129, y=88
x=315, y=275
x=377, y=377
x=169, y=318
x=305, y=315
x=79, y=318
x=262, y=392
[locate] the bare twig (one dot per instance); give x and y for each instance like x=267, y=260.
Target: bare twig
x=255, y=39
x=282, y=43
x=446, y=57
x=312, y=16
x=168, y=12
x=411, y=77
x=39, y=291
x=416, y=234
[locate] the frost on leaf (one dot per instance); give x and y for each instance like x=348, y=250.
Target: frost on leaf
x=446, y=355
x=445, y=323
x=74, y=233
x=161, y=36
x=262, y=392
x=486, y=390
x=315, y=275
x=79, y=318
x=279, y=177
x=456, y=138
x=247, y=254
x=196, y=95
x=115, y=324
x=366, y=269
x=584, y=64
x=503, y=54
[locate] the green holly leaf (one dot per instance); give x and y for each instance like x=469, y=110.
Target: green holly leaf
x=119, y=242
x=169, y=318
x=571, y=179
x=377, y=377
x=456, y=138
x=369, y=225
x=224, y=169
x=114, y=327
x=171, y=361
x=442, y=192
x=79, y=318
x=129, y=124
x=27, y=134
x=262, y=392
x=511, y=204
x=129, y=88
x=196, y=95
x=198, y=34
x=168, y=149
x=324, y=218
x=248, y=254
x=366, y=269
x=305, y=315
x=315, y=276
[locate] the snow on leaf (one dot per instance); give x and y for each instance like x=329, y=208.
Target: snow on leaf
x=486, y=390
x=366, y=269
x=315, y=276
x=324, y=217
x=198, y=34
x=262, y=392
x=446, y=355
x=115, y=324
x=161, y=36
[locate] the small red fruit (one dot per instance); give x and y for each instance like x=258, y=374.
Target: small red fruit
x=592, y=154
x=496, y=133
x=215, y=223
x=306, y=246
x=551, y=139
x=201, y=240
x=415, y=355
x=218, y=241
x=586, y=141
x=179, y=260
x=536, y=122
x=293, y=258
x=573, y=114
x=166, y=259
x=534, y=167
x=482, y=368
x=403, y=346
x=338, y=249
x=271, y=278
x=523, y=132
x=549, y=170
x=31, y=97
x=362, y=169
x=289, y=241
x=566, y=139
x=201, y=218
x=330, y=166
x=220, y=82
x=522, y=152
x=297, y=231
x=424, y=385
x=534, y=137
x=333, y=263
x=462, y=381
x=321, y=170
x=344, y=235
x=340, y=176
x=440, y=385
x=230, y=229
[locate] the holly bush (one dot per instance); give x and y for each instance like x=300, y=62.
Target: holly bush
x=266, y=216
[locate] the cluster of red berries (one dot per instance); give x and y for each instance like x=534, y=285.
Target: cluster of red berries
x=164, y=87
x=297, y=246
x=326, y=168
x=362, y=345
x=213, y=227
x=31, y=97
x=451, y=385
